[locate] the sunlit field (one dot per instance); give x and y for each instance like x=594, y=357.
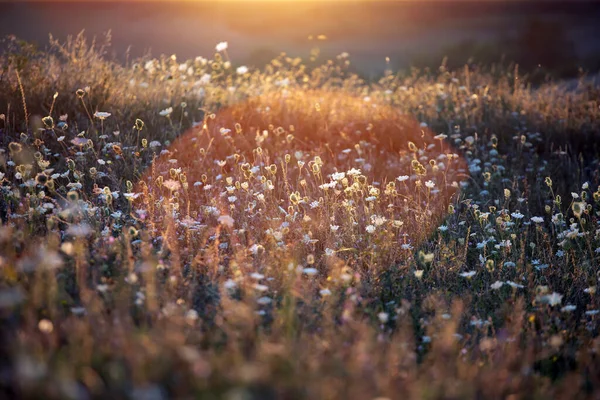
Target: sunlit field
x=202, y=229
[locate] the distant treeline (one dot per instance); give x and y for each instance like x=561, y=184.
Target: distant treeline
x=543, y=49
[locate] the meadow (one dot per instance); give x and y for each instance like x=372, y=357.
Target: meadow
x=156, y=245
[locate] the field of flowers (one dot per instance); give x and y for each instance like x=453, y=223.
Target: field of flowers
x=201, y=229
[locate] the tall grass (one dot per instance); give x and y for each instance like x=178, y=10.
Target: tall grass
x=199, y=229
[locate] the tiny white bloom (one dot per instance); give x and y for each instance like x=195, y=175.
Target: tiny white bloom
x=263, y=301
x=226, y=220
x=221, y=46
x=338, y=176
x=229, y=284
x=497, y=285
x=553, y=299
x=383, y=317
x=102, y=115
x=514, y=285
x=166, y=112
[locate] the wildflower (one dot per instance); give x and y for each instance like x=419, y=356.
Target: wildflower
x=242, y=70
x=430, y=184
x=514, y=285
x=383, y=317
x=402, y=178
x=310, y=271
x=540, y=267
x=41, y=179
x=338, y=176
x=294, y=198
x=229, y=284
x=78, y=310
x=15, y=147
x=172, y=185
x=537, y=220
x=226, y=220
x=568, y=308
x=370, y=228
x=497, y=285
x=102, y=288
x=418, y=273
x=204, y=80
x=260, y=288
x=48, y=122
x=426, y=258
x=517, y=215
x=334, y=228
x=468, y=274
x=166, y=112
x=102, y=115
x=378, y=220
x=590, y=290
x=329, y=185
x=132, y=278
x=45, y=326
x=325, y=292
x=578, y=208
x=79, y=141
x=397, y=223
x=191, y=315
x=553, y=299
x=221, y=46
x=263, y=301
x=79, y=230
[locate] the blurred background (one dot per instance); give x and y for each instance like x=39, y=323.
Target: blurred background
x=554, y=38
